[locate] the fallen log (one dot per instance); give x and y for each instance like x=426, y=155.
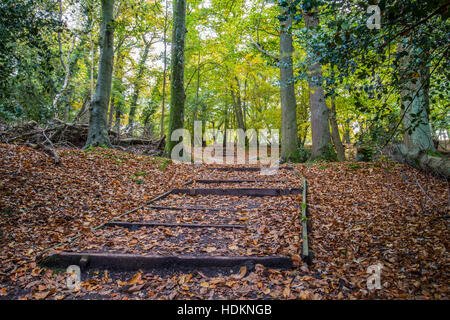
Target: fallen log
x=137, y=141
x=47, y=150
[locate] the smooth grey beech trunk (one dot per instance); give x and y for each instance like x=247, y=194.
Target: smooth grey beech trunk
x=289, y=141
x=320, y=128
x=177, y=95
x=337, y=142
x=415, y=105
x=98, y=126
x=417, y=138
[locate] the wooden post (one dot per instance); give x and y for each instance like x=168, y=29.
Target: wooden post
x=305, y=249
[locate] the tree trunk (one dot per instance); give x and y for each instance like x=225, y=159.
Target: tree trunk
x=417, y=138
x=111, y=111
x=225, y=127
x=288, y=104
x=198, y=91
x=414, y=94
x=177, y=97
x=237, y=103
x=163, y=106
x=320, y=128
x=66, y=66
x=335, y=132
x=98, y=126
x=137, y=87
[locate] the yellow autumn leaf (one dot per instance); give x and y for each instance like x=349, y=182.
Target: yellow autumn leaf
x=137, y=278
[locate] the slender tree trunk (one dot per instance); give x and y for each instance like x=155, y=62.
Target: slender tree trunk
x=163, y=106
x=337, y=142
x=320, y=128
x=117, y=123
x=177, y=97
x=137, y=87
x=66, y=66
x=116, y=85
x=288, y=104
x=225, y=127
x=98, y=127
x=347, y=134
x=244, y=104
x=91, y=41
x=111, y=111
x=198, y=91
x=85, y=117
x=237, y=103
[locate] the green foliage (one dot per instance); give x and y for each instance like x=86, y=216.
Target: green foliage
x=328, y=155
x=353, y=167
x=303, y=154
x=26, y=59
x=365, y=153
x=366, y=65
x=164, y=164
x=138, y=174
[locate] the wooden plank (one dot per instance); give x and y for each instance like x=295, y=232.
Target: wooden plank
x=251, y=169
x=206, y=181
x=251, y=192
x=135, y=225
x=305, y=246
x=131, y=262
x=161, y=196
x=194, y=208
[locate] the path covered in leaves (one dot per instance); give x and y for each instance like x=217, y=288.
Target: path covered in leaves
x=361, y=214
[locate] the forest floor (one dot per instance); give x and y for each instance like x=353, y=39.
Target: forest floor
x=361, y=214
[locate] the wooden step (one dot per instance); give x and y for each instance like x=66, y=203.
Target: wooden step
x=251, y=192
x=194, y=208
x=206, y=181
x=136, y=225
x=252, y=169
x=131, y=262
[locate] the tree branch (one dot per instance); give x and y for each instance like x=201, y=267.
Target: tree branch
x=267, y=53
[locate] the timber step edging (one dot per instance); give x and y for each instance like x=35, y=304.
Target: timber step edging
x=136, y=225
x=195, y=208
x=209, y=181
x=251, y=192
x=132, y=262
x=251, y=169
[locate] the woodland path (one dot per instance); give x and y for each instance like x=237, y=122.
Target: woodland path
x=227, y=217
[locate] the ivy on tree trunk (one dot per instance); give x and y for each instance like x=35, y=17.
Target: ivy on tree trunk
x=98, y=122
